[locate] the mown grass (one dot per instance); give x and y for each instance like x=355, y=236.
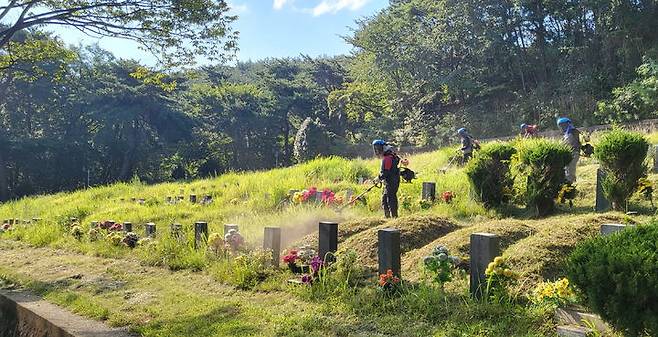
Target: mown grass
x=197, y=294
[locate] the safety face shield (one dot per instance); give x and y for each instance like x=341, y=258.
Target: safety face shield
x=378, y=149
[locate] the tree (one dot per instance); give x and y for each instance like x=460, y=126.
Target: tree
x=175, y=30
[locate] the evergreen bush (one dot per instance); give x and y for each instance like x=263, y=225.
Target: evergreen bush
x=621, y=155
x=489, y=174
x=618, y=277
x=539, y=167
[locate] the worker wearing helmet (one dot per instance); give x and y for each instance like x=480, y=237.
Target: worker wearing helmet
x=390, y=176
x=468, y=145
x=572, y=139
x=529, y=131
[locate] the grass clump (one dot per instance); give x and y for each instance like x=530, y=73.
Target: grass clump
x=622, y=156
x=489, y=174
x=618, y=276
x=540, y=168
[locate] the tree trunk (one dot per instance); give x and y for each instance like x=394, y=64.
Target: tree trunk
x=4, y=188
x=129, y=154
x=286, y=141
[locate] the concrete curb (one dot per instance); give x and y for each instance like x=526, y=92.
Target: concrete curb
x=25, y=315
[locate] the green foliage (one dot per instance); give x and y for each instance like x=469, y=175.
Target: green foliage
x=489, y=173
x=539, y=167
x=636, y=100
x=621, y=154
x=618, y=277
x=177, y=31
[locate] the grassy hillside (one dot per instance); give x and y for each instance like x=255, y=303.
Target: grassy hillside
x=135, y=287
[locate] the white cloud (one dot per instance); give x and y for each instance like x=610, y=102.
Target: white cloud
x=237, y=8
x=278, y=4
x=333, y=6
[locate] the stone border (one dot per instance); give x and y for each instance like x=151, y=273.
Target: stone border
x=25, y=315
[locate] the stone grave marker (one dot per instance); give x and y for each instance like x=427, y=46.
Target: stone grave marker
x=655, y=159
x=150, y=230
x=388, y=249
x=602, y=204
x=610, y=228
x=200, y=233
x=193, y=198
x=272, y=242
x=177, y=231
x=348, y=195
x=429, y=191
x=485, y=247
x=228, y=227
x=327, y=240
x=127, y=227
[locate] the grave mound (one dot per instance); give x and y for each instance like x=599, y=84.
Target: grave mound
x=458, y=243
x=415, y=231
x=345, y=230
x=541, y=256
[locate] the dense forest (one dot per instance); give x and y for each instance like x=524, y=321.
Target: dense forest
x=77, y=116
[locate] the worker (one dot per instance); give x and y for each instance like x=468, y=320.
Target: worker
x=389, y=175
x=572, y=139
x=468, y=145
x=529, y=131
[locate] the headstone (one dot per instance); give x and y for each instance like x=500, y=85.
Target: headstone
x=607, y=229
x=602, y=204
x=200, y=233
x=327, y=240
x=655, y=159
x=272, y=242
x=150, y=230
x=176, y=230
x=133, y=199
x=127, y=227
x=11, y=221
x=318, y=196
x=429, y=191
x=389, y=250
x=228, y=227
x=485, y=247
x=193, y=198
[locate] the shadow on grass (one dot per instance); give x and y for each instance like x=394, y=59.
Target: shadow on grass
x=220, y=320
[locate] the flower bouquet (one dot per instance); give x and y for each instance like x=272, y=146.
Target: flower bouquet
x=315, y=265
x=389, y=283
x=77, y=232
x=234, y=240
x=558, y=293
x=130, y=240
x=440, y=264
x=5, y=227
x=447, y=196
x=299, y=260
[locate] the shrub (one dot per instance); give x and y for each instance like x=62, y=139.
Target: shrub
x=618, y=277
x=621, y=155
x=541, y=162
x=489, y=174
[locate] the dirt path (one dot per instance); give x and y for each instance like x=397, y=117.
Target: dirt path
x=152, y=301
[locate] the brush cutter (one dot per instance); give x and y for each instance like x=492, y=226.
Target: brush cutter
x=445, y=169
x=377, y=184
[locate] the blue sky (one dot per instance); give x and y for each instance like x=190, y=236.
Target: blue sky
x=270, y=28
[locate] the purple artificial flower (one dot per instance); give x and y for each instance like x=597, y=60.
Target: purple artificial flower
x=316, y=263
x=307, y=279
